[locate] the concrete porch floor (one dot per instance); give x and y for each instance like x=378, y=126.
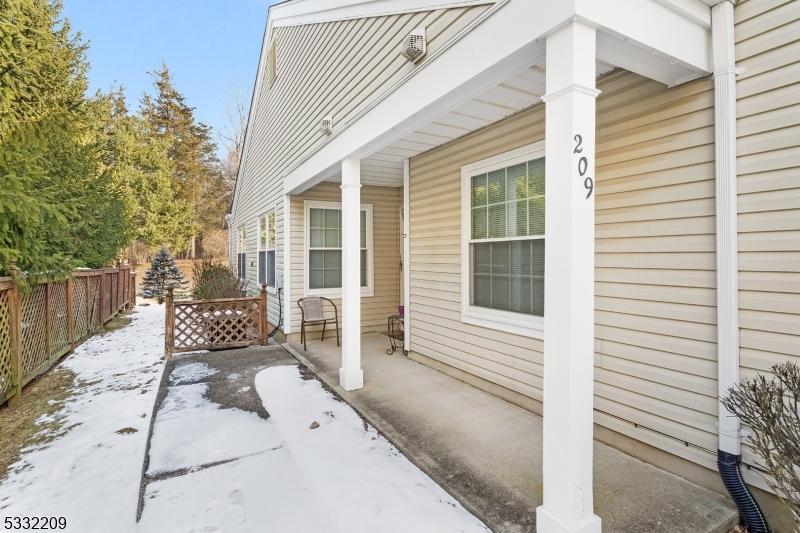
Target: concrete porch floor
x=488, y=452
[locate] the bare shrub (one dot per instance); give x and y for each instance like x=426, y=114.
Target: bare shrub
x=214, y=280
x=770, y=407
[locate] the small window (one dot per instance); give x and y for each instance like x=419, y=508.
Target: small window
x=241, y=254
x=324, y=234
x=266, y=249
x=502, y=255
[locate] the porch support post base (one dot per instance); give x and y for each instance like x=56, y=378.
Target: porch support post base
x=350, y=375
x=569, y=282
x=547, y=523
x=351, y=378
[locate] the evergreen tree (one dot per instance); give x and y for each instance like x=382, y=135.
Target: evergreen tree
x=162, y=275
x=197, y=170
x=139, y=167
x=53, y=199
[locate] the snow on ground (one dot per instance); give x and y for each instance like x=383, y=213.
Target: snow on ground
x=216, y=469
x=338, y=477
x=91, y=474
x=190, y=373
x=190, y=431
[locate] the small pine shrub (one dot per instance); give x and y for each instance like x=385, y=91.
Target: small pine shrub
x=162, y=275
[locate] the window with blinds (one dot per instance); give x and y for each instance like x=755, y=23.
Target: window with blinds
x=241, y=255
x=325, y=248
x=506, y=242
x=266, y=249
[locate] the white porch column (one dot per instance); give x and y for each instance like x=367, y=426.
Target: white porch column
x=569, y=283
x=351, y=376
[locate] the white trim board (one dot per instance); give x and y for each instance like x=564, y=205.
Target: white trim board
x=301, y=12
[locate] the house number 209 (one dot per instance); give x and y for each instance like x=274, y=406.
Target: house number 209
x=583, y=166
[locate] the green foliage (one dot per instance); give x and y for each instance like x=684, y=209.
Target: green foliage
x=45, y=159
x=214, y=280
x=198, y=175
x=83, y=177
x=140, y=170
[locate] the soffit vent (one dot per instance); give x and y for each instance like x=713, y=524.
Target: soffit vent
x=326, y=125
x=414, y=45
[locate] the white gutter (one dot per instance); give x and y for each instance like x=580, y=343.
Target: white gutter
x=726, y=213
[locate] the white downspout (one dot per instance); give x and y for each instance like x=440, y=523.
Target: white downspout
x=287, y=264
x=406, y=257
x=726, y=213
x=729, y=454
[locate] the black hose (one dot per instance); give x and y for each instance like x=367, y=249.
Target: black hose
x=280, y=316
x=749, y=511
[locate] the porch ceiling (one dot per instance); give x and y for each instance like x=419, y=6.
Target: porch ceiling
x=470, y=85
x=385, y=167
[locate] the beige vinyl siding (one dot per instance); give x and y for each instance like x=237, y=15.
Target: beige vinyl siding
x=768, y=144
x=767, y=35
x=338, y=69
x=655, y=299
x=655, y=375
x=435, y=289
x=386, y=204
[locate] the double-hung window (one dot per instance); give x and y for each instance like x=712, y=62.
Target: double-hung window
x=323, y=221
x=266, y=249
x=503, y=202
x=241, y=255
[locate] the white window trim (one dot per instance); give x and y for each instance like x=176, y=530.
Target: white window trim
x=265, y=215
x=369, y=290
x=508, y=321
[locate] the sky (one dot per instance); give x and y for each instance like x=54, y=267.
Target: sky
x=210, y=46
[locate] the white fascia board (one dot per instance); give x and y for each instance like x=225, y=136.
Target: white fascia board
x=251, y=115
x=695, y=10
x=652, y=23
x=636, y=58
x=302, y=12
x=459, y=73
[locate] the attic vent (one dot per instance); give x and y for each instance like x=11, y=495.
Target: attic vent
x=326, y=125
x=414, y=45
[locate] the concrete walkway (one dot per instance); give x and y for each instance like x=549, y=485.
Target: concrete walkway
x=488, y=452
x=228, y=384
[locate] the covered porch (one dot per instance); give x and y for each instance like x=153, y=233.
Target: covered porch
x=553, y=58
x=487, y=452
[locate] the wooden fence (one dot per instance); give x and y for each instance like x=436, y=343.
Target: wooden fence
x=193, y=325
x=39, y=326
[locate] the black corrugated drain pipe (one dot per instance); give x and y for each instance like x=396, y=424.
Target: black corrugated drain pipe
x=749, y=511
x=280, y=316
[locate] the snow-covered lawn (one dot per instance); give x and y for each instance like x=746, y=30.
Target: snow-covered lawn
x=213, y=468
x=91, y=474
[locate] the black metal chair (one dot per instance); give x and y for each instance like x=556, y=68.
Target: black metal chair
x=311, y=314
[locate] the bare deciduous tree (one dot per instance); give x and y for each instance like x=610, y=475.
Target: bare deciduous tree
x=233, y=137
x=770, y=407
